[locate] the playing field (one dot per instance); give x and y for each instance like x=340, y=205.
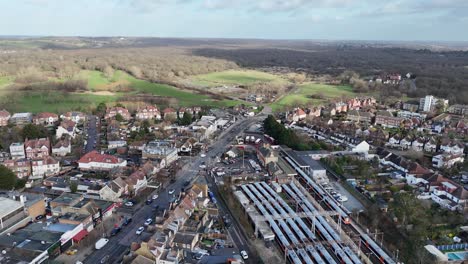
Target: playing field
x=100, y=89
x=235, y=77
x=307, y=94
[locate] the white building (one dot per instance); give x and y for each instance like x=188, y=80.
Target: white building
x=428, y=103
x=17, y=150
x=44, y=167
x=100, y=162
x=446, y=160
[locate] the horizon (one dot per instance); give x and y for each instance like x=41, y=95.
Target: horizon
x=413, y=20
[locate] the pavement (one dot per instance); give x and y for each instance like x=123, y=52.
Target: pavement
x=118, y=244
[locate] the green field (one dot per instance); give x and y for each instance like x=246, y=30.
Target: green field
x=302, y=95
x=235, y=77
x=56, y=101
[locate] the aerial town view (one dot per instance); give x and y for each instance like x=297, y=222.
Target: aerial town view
x=232, y=132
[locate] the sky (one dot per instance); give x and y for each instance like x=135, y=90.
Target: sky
x=407, y=20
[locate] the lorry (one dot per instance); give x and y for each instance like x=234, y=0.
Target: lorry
x=101, y=243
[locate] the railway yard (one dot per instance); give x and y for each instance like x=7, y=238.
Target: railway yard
x=308, y=224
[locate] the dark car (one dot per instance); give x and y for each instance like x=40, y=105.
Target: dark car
x=127, y=221
x=186, y=183
x=115, y=231
x=173, y=180
x=149, y=201
x=39, y=217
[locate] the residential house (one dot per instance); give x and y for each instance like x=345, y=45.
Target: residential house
x=297, y=115
x=46, y=166
x=341, y=107
x=17, y=150
x=266, y=155
x=447, y=160
x=113, y=190
x=431, y=145
x=406, y=143
x=21, y=167
x=418, y=144
x=185, y=240
x=100, y=162
x=112, y=112
x=37, y=148
x=170, y=114
x=314, y=112
x=359, y=116
x=394, y=141
x=429, y=103
x=137, y=182
x=4, y=117
x=448, y=194
x=137, y=146
x=21, y=118
x=386, y=119
x=161, y=150
x=188, y=145
x=66, y=127
x=45, y=119
x=76, y=117
x=113, y=144
x=148, y=112
x=453, y=147
x=62, y=148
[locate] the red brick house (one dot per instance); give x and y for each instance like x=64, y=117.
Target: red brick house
x=37, y=148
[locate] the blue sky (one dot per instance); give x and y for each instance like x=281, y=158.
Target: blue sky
x=445, y=20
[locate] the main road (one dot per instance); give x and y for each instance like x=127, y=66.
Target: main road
x=118, y=244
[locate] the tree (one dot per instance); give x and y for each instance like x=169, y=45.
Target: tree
x=101, y=108
x=73, y=187
x=186, y=119
x=119, y=118
x=7, y=178
x=33, y=131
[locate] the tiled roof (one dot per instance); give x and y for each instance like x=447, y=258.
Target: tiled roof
x=94, y=156
x=4, y=113
x=46, y=115
x=37, y=143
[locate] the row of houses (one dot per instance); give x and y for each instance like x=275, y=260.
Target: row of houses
x=428, y=145
x=151, y=112
x=39, y=148
x=332, y=109
x=441, y=190
x=44, y=118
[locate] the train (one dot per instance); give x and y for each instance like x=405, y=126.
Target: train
x=383, y=257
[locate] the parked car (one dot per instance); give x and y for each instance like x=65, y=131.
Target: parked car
x=149, y=201
x=155, y=197
x=171, y=191
x=140, y=230
x=244, y=254
x=129, y=204
x=148, y=221
x=115, y=231
x=105, y=259
x=127, y=221
x=39, y=217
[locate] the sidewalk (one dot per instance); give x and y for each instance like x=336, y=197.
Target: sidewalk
x=86, y=246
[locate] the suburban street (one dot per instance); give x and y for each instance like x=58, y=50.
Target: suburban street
x=118, y=244
x=92, y=132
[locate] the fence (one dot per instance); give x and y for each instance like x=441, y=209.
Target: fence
x=453, y=247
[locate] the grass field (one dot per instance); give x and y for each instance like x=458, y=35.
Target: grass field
x=56, y=101
x=235, y=77
x=302, y=95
